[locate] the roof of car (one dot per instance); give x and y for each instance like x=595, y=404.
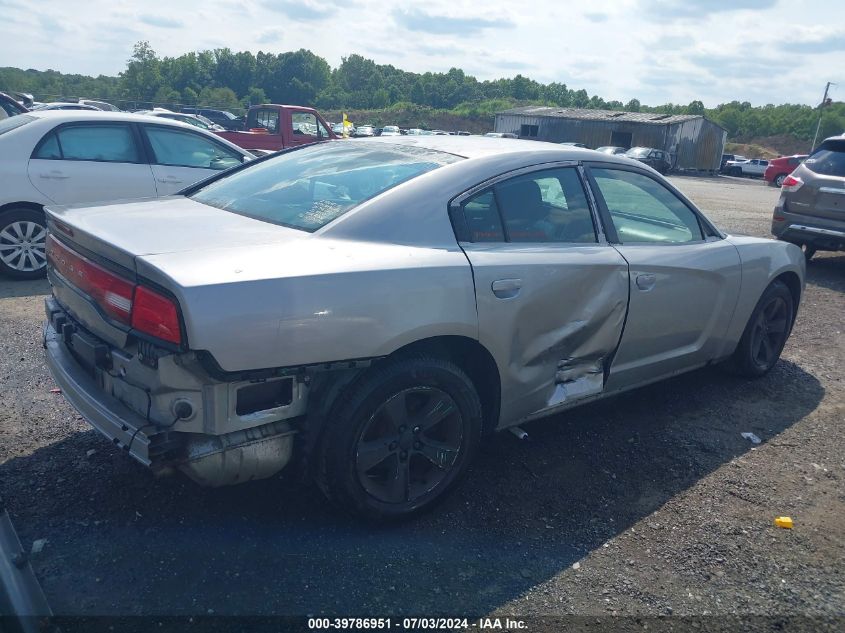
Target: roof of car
x=73, y=116
x=479, y=146
x=102, y=115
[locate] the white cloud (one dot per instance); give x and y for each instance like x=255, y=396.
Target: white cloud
x=655, y=50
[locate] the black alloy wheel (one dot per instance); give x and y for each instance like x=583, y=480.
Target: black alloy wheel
x=409, y=445
x=765, y=333
x=399, y=438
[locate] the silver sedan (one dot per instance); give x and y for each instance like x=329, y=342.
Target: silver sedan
x=376, y=308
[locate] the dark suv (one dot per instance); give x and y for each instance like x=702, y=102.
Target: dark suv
x=220, y=117
x=811, y=208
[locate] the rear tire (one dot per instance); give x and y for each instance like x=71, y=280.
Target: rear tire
x=765, y=334
x=23, y=235
x=400, y=438
x=779, y=180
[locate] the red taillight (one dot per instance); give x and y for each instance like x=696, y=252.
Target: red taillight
x=112, y=293
x=156, y=315
x=792, y=183
x=137, y=306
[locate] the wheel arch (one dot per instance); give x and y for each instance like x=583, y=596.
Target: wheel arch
x=34, y=206
x=792, y=281
x=474, y=359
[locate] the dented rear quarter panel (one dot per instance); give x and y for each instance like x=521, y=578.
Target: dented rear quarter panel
x=316, y=300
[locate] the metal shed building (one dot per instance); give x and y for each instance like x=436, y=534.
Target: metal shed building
x=693, y=142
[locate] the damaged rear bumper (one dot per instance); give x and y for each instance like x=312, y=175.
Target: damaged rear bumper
x=231, y=456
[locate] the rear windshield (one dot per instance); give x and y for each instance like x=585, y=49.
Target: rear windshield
x=828, y=159
x=308, y=188
x=13, y=122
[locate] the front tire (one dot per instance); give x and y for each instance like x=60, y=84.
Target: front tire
x=808, y=251
x=400, y=438
x=766, y=332
x=23, y=235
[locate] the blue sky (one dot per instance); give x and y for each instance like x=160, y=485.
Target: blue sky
x=762, y=51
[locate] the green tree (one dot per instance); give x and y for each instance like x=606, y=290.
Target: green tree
x=142, y=77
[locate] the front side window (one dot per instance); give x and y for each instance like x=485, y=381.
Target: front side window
x=308, y=188
x=185, y=149
x=643, y=210
x=102, y=143
x=304, y=124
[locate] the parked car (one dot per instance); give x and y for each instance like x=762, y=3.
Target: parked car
x=100, y=105
x=365, y=130
x=612, y=149
x=751, y=167
x=729, y=157
x=79, y=157
x=811, y=208
x=197, y=120
x=654, y=158
x=390, y=130
x=780, y=168
x=9, y=106
x=63, y=105
x=376, y=307
x=337, y=128
x=274, y=127
x=223, y=118
x=572, y=144
x=500, y=135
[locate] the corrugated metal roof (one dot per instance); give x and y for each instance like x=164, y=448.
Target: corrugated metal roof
x=602, y=115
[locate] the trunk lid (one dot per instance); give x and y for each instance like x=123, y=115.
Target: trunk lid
x=121, y=232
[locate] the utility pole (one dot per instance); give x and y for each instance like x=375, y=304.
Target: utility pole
x=821, y=110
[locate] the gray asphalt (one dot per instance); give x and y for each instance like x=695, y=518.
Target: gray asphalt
x=654, y=497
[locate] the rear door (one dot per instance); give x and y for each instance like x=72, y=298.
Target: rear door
x=182, y=157
x=684, y=277
x=551, y=292
x=90, y=162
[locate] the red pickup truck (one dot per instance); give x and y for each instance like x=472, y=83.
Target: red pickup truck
x=274, y=127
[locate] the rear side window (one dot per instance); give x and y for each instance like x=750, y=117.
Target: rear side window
x=185, y=149
x=483, y=221
x=643, y=210
x=308, y=188
x=828, y=159
x=266, y=118
x=103, y=143
x=546, y=206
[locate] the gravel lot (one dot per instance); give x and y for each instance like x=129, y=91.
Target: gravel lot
x=648, y=504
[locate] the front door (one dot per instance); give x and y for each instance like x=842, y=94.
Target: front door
x=551, y=293
x=181, y=157
x=684, y=278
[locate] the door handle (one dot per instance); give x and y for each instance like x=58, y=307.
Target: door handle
x=646, y=281
x=506, y=288
x=54, y=175
x=169, y=180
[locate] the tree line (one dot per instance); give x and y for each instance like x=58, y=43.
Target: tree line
x=231, y=80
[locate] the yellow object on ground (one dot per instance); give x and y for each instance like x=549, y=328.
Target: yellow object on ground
x=784, y=522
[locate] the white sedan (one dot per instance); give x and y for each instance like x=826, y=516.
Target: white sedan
x=80, y=157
